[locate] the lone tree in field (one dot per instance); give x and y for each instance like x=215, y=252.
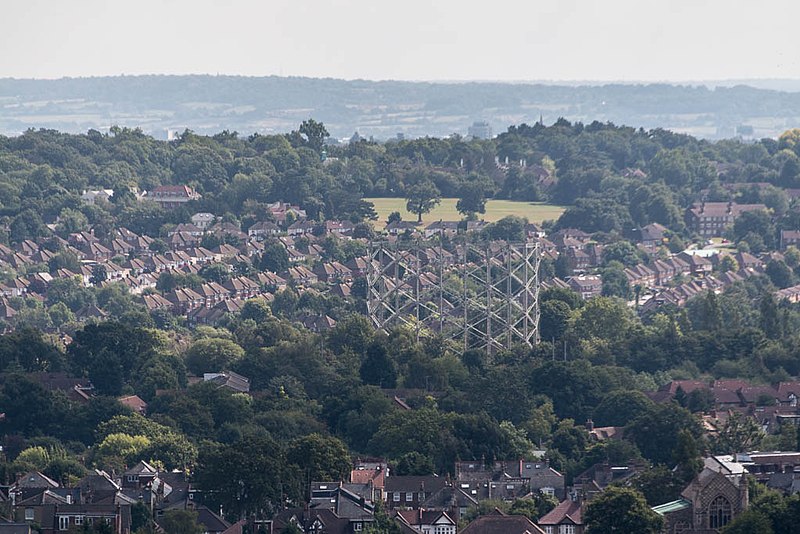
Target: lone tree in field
x=422, y=198
x=473, y=199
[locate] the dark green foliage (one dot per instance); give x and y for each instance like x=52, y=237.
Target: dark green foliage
x=212, y=355
x=700, y=400
x=658, y=485
x=656, y=432
x=615, y=283
x=109, y=353
x=249, y=476
x=510, y=228
x=623, y=252
x=421, y=198
x=180, y=522
x=28, y=348
x=554, y=319
x=413, y=464
x=621, y=510
x=378, y=369
x=319, y=457
x=274, y=257
x=750, y=522
x=619, y=408
x=534, y=507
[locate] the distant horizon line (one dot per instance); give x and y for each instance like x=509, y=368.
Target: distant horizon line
x=564, y=81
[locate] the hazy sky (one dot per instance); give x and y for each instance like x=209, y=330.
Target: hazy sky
x=404, y=39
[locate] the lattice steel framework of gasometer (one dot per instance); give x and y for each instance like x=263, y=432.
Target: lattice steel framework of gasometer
x=484, y=295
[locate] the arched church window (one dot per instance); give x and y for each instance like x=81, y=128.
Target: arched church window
x=719, y=512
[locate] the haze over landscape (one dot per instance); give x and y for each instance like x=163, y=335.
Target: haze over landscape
x=418, y=267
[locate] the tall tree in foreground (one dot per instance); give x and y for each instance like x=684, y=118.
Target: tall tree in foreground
x=619, y=510
x=421, y=198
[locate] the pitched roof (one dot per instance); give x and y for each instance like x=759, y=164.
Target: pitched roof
x=35, y=479
x=568, y=512
x=499, y=523
x=142, y=468
x=211, y=521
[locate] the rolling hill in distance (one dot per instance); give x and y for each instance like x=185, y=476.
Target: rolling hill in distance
x=209, y=104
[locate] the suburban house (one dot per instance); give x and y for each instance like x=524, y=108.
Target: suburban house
x=508, y=480
x=283, y=212
x=653, y=236
x=446, y=228
x=497, y=522
x=566, y=518
x=790, y=238
x=410, y=491
x=262, y=229
x=425, y=521
x=711, y=219
x=172, y=196
x=400, y=227
x=93, y=195
x=587, y=286
x=203, y=219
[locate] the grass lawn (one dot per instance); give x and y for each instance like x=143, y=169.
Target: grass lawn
x=495, y=209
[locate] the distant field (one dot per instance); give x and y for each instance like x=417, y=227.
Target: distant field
x=495, y=209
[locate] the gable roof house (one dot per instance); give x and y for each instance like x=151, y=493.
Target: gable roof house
x=172, y=196
x=653, y=236
x=567, y=517
x=283, y=211
x=698, y=265
x=400, y=227
x=587, y=286
x=499, y=523
x=202, y=220
x=316, y=521
x=446, y=228
x=789, y=238
x=426, y=521
x=262, y=229
x=410, y=491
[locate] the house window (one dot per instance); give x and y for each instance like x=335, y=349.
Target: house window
x=396, y=496
x=132, y=478
x=548, y=530
x=78, y=519
x=719, y=512
x=357, y=527
x=421, y=496
x=566, y=529
x=548, y=491
x=63, y=522
x=29, y=514
x=409, y=497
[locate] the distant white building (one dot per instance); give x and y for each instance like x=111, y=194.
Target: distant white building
x=480, y=130
x=91, y=196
